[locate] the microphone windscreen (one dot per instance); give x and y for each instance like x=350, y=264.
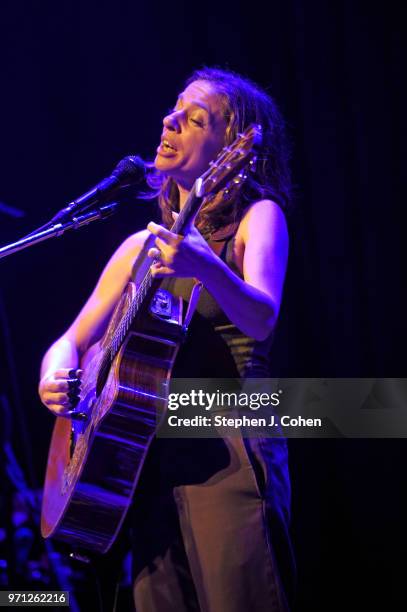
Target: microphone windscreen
x=130, y=170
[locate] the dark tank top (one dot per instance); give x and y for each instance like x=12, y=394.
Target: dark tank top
x=214, y=346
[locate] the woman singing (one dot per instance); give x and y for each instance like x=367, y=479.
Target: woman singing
x=210, y=526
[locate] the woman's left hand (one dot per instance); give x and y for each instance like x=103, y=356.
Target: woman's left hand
x=181, y=256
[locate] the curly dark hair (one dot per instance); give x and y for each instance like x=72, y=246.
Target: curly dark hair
x=244, y=103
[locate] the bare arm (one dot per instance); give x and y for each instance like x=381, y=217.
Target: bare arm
x=251, y=304
x=88, y=327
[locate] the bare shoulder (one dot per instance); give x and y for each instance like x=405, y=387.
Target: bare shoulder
x=127, y=252
x=262, y=226
x=134, y=243
x=262, y=218
x=117, y=271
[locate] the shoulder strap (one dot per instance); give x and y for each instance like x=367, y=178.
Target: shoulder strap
x=217, y=247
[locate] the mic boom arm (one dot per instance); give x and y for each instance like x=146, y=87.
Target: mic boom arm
x=58, y=229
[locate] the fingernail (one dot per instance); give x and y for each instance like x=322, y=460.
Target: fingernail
x=74, y=373
x=78, y=416
x=74, y=383
x=73, y=397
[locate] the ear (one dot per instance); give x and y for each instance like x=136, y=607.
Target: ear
x=174, y=215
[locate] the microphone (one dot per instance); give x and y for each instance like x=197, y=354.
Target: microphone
x=130, y=170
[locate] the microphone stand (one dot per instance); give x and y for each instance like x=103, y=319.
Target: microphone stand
x=58, y=229
x=49, y=230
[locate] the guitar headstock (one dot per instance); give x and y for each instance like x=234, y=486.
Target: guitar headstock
x=230, y=161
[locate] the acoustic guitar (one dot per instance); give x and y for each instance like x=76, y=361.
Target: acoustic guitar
x=95, y=461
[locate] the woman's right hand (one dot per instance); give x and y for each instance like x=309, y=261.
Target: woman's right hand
x=59, y=391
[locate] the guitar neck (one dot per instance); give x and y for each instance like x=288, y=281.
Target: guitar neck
x=189, y=211
x=149, y=285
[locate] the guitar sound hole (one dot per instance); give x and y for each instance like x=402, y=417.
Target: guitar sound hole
x=102, y=377
x=72, y=443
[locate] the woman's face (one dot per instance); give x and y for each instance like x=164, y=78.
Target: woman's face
x=193, y=134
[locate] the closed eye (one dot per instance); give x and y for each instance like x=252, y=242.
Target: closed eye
x=197, y=122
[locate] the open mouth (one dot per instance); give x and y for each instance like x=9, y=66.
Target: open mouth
x=167, y=146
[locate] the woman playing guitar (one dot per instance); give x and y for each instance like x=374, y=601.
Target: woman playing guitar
x=210, y=526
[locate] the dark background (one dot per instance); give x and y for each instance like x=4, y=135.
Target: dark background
x=85, y=83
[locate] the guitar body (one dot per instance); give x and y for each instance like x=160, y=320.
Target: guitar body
x=94, y=464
